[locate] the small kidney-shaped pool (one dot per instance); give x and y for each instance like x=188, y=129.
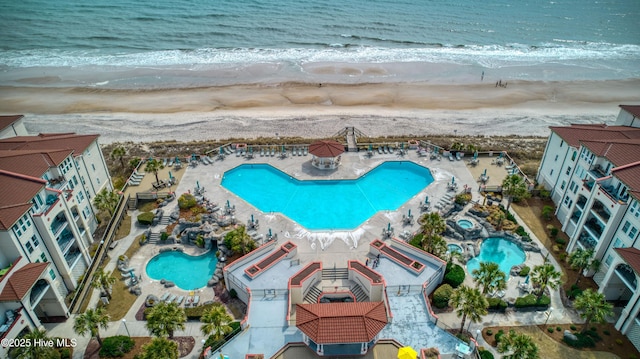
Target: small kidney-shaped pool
x=498, y=250
x=187, y=272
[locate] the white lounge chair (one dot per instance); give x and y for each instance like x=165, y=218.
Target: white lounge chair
x=196, y=300
x=171, y=298
x=180, y=299
x=165, y=296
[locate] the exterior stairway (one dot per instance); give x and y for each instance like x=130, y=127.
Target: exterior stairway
x=312, y=295
x=360, y=295
x=335, y=274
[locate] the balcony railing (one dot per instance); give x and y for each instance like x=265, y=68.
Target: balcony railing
x=588, y=184
x=587, y=240
x=65, y=240
x=594, y=227
x=609, y=190
x=575, y=217
x=58, y=225
x=71, y=257
x=627, y=276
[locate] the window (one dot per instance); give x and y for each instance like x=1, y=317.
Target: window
x=555, y=159
x=608, y=260
x=561, y=143
x=52, y=274
x=17, y=230
x=572, y=186
x=633, y=232
x=93, y=167
x=75, y=180
x=626, y=226
x=35, y=240
x=80, y=196
x=568, y=170
x=573, y=155
x=98, y=180
x=564, y=183
x=618, y=243
x=29, y=247
x=551, y=173
x=567, y=201
x=44, y=257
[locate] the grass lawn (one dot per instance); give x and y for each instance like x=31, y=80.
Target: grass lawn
x=552, y=346
x=125, y=228
x=121, y=299
x=530, y=211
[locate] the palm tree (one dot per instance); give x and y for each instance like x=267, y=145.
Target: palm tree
x=164, y=318
x=154, y=166
x=216, y=321
x=514, y=186
x=118, y=154
x=134, y=162
x=432, y=226
x=544, y=276
x=239, y=241
x=489, y=277
x=518, y=346
x=592, y=307
x=106, y=200
x=468, y=302
x=91, y=321
x=103, y=280
x=159, y=348
x=33, y=351
x=582, y=260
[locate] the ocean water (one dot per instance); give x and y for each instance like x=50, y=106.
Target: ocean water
x=193, y=43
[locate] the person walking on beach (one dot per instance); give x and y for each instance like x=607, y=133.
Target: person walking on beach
x=482, y=77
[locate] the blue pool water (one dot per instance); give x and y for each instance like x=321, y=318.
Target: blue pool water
x=465, y=224
x=328, y=204
x=454, y=248
x=498, y=250
x=187, y=272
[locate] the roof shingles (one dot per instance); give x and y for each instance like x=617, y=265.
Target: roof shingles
x=21, y=281
x=334, y=323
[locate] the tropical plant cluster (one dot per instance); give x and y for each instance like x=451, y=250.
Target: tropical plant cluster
x=146, y=218
x=187, y=201
x=454, y=275
x=442, y=295
x=116, y=346
x=531, y=300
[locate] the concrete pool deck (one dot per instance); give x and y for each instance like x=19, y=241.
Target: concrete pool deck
x=267, y=330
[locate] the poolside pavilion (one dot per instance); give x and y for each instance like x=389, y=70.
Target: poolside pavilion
x=326, y=154
x=341, y=328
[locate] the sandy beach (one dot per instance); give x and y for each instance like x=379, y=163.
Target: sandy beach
x=318, y=110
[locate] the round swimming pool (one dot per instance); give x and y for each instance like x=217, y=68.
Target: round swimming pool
x=465, y=224
x=187, y=272
x=498, y=250
x=454, y=248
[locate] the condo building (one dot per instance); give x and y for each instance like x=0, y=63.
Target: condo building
x=47, y=221
x=593, y=173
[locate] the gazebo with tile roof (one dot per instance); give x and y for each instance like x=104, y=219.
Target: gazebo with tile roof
x=326, y=154
x=343, y=328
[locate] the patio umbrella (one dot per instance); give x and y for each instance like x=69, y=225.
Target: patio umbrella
x=228, y=204
x=426, y=199
x=475, y=155
x=389, y=226
x=269, y=232
x=198, y=184
x=453, y=180
x=170, y=175
x=407, y=353
x=370, y=147
x=220, y=151
x=252, y=218
x=485, y=172
x=409, y=213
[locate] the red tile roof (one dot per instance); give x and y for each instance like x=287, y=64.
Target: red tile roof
x=631, y=256
x=21, y=281
x=575, y=133
x=629, y=175
x=326, y=148
x=634, y=110
x=332, y=323
x=75, y=142
x=620, y=152
x=32, y=162
x=6, y=121
x=16, y=191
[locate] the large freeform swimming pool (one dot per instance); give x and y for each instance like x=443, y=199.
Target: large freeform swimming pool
x=498, y=250
x=187, y=272
x=328, y=204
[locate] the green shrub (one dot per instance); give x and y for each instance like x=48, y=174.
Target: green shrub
x=585, y=340
x=531, y=300
x=463, y=198
x=574, y=292
x=521, y=232
x=499, y=335
x=546, y=212
x=116, y=346
x=550, y=330
x=606, y=332
x=145, y=218
x=233, y=294
x=194, y=313
x=65, y=353
x=633, y=356
x=416, y=241
x=554, y=232
x=558, y=329
x=524, y=271
x=561, y=241
x=485, y=354
x=441, y=296
x=454, y=275
x=164, y=236
x=619, y=341
x=489, y=332
x=497, y=303
x=186, y=201
x=573, y=327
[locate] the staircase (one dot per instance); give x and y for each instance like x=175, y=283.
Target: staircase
x=335, y=274
x=312, y=295
x=153, y=238
x=360, y=295
x=132, y=203
x=164, y=221
x=351, y=135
